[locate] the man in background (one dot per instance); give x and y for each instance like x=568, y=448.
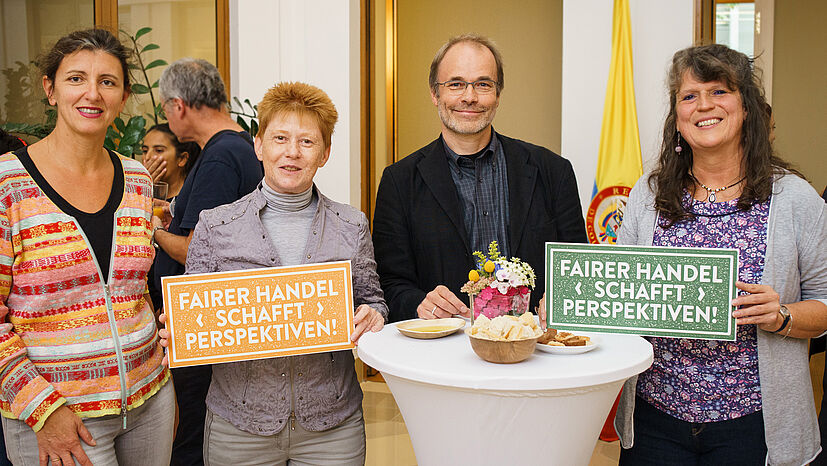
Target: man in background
x=195, y=103
x=467, y=188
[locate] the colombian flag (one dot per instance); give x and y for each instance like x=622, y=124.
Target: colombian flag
x=618, y=160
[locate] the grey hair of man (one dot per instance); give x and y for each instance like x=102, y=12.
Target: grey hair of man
x=473, y=38
x=195, y=81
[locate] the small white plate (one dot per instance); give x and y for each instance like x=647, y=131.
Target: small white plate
x=593, y=343
x=428, y=329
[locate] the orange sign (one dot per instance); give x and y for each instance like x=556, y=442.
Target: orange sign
x=255, y=314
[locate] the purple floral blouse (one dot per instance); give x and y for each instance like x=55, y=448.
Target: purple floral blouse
x=708, y=380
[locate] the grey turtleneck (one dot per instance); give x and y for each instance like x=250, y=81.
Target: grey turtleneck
x=287, y=219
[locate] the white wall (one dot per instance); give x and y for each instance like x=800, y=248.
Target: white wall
x=659, y=29
x=314, y=41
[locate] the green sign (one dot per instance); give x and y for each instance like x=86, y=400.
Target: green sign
x=654, y=291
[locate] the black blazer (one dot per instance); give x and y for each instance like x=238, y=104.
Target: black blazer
x=419, y=235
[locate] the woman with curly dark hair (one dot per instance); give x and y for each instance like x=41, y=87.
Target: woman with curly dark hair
x=718, y=184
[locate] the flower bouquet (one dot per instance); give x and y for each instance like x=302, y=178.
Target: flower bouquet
x=499, y=285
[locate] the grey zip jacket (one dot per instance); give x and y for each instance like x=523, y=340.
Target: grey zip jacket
x=318, y=391
x=796, y=267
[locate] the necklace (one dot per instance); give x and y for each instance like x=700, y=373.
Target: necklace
x=712, y=192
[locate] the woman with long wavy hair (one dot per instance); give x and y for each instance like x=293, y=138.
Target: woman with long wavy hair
x=719, y=184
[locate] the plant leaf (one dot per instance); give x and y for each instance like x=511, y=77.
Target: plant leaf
x=155, y=64
x=238, y=102
x=120, y=124
x=112, y=133
x=141, y=32
x=253, y=128
x=155, y=84
x=136, y=123
x=133, y=66
x=149, y=47
x=139, y=89
x=242, y=123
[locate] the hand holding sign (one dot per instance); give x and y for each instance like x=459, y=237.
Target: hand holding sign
x=367, y=318
x=759, y=307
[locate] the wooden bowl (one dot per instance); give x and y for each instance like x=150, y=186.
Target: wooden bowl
x=502, y=352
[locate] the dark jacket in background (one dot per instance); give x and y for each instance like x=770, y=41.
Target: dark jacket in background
x=418, y=231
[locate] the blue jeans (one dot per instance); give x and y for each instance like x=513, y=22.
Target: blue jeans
x=661, y=439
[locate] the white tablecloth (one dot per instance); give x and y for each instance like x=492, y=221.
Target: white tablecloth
x=460, y=409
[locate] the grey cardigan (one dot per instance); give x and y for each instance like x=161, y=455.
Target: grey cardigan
x=796, y=267
x=321, y=389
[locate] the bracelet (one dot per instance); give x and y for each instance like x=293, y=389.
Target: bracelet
x=789, y=328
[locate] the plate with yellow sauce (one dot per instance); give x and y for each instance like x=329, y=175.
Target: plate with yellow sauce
x=428, y=329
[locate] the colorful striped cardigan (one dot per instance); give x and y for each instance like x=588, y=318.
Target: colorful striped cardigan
x=57, y=343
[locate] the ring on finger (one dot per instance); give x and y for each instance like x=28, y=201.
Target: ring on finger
x=433, y=311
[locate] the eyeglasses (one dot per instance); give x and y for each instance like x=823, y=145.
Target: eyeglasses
x=458, y=86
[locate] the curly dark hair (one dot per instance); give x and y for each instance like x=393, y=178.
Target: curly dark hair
x=672, y=175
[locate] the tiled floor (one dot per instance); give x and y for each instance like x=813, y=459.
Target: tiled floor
x=388, y=441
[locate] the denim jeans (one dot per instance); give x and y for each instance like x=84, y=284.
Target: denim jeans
x=225, y=445
x=147, y=439
x=661, y=439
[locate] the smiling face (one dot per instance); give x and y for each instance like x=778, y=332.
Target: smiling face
x=88, y=90
x=709, y=115
x=291, y=149
x=469, y=112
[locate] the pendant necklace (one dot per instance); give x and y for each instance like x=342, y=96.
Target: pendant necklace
x=711, y=193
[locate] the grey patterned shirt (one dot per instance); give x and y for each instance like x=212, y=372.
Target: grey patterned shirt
x=482, y=186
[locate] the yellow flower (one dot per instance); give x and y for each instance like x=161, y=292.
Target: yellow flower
x=473, y=275
x=489, y=267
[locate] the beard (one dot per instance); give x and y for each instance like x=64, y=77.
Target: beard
x=466, y=126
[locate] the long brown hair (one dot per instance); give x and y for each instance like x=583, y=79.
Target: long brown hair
x=672, y=175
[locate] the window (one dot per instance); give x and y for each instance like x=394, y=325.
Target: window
x=177, y=28
x=735, y=26
x=26, y=29
x=195, y=28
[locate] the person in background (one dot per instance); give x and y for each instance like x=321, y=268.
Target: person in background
x=80, y=363
x=718, y=184
x=8, y=143
x=195, y=103
x=303, y=409
x=467, y=188
x=167, y=160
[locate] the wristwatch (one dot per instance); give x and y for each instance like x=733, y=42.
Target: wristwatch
x=785, y=314
x=152, y=236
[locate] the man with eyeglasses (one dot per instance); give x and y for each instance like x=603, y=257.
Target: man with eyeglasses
x=467, y=188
